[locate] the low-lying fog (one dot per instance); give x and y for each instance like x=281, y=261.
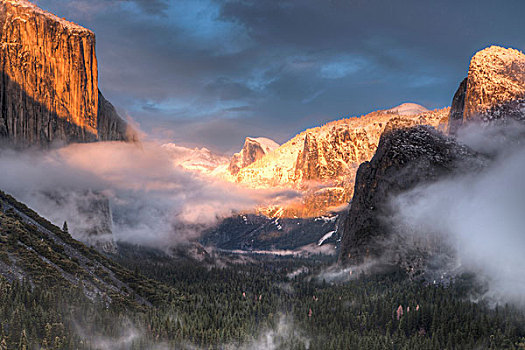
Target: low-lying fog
x=154, y=202
x=480, y=215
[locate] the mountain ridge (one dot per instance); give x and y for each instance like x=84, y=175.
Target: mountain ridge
x=321, y=162
x=408, y=157
x=35, y=250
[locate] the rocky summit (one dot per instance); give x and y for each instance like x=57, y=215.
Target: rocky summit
x=405, y=158
x=252, y=150
x=49, y=88
x=322, y=162
x=495, y=86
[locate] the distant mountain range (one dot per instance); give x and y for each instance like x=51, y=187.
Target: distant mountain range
x=320, y=162
x=49, y=95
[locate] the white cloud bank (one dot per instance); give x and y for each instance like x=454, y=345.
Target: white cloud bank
x=481, y=215
x=153, y=201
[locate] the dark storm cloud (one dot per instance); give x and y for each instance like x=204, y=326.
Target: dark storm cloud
x=226, y=89
x=155, y=7
x=259, y=64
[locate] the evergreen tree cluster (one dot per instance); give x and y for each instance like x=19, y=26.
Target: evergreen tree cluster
x=228, y=307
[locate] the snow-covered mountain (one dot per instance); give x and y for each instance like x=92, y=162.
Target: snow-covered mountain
x=205, y=161
x=252, y=150
x=322, y=162
x=408, y=109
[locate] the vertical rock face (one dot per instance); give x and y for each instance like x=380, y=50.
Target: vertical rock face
x=455, y=119
x=495, y=83
x=307, y=165
x=496, y=76
x=110, y=126
x=49, y=86
x=405, y=158
x=322, y=162
x=253, y=150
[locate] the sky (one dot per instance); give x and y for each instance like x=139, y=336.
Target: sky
x=211, y=72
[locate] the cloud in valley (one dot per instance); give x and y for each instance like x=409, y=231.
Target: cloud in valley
x=282, y=334
x=480, y=215
x=153, y=201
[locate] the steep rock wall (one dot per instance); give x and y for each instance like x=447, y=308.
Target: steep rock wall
x=252, y=150
x=495, y=83
x=455, y=119
x=405, y=158
x=322, y=162
x=496, y=76
x=49, y=86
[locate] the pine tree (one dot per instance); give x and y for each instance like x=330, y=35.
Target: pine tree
x=23, y=344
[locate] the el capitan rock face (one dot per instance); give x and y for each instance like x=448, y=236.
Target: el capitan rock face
x=109, y=124
x=405, y=158
x=49, y=86
x=495, y=83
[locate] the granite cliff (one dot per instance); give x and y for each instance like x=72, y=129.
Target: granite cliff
x=252, y=150
x=494, y=87
x=493, y=92
x=49, y=81
x=405, y=158
x=321, y=162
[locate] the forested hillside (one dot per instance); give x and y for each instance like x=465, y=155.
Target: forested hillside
x=266, y=302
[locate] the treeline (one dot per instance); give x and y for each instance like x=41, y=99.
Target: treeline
x=231, y=306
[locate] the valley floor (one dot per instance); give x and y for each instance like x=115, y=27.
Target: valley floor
x=263, y=303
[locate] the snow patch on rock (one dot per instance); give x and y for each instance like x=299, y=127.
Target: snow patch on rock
x=407, y=109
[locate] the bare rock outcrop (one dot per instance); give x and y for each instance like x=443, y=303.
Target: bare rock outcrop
x=252, y=150
x=495, y=83
x=496, y=76
x=455, y=119
x=49, y=81
x=405, y=158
